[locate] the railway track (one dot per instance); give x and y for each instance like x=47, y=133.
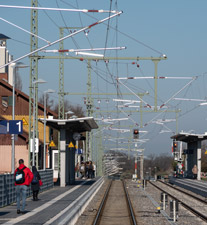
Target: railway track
x=186, y=204
x=184, y=192
x=116, y=207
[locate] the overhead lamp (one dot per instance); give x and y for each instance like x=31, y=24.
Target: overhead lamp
x=89, y=54
x=44, y=149
x=16, y=66
x=69, y=113
x=38, y=81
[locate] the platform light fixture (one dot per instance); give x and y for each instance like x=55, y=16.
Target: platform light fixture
x=16, y=66
x=45, y=95
x=38, y=81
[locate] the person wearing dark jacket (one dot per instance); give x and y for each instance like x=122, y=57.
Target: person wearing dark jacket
x=35, y=183
x=23, y=177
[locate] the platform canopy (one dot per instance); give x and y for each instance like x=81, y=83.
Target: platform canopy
x=189, y=137
x=76, y=125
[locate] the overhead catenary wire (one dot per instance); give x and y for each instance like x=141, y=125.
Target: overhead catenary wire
x=61, y=39
x=24, y=30
x=148, y=105
x=127, y=35
x=60, y=9
x=79, y=14
x=179, y=91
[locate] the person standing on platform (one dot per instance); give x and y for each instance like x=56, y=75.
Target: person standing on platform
x=77, y=170
x=195, y=172
x=23, y=177
x=86, y=169
x=90, y=170
x=35, y=183
x=82, y=169
x=94, y=170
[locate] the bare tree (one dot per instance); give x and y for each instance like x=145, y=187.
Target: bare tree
x=49, y=102
x=162, y=162
x=76, y=109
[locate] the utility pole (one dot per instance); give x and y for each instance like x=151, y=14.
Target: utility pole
x=89, y=111
x=135, y=167
x=141, y=167
x=155, y=84
x=61, y=110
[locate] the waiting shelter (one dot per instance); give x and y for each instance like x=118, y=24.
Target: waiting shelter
x=193, y=151
x=67, y=128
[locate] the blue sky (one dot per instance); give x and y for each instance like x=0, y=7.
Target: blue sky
x=175, y=28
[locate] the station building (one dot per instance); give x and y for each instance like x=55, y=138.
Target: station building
x=21, y=113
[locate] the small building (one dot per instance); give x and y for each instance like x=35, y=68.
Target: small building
x=21, y=113
x=193, y=151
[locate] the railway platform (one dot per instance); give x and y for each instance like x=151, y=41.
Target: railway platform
x=196, y=186
x=56, y=206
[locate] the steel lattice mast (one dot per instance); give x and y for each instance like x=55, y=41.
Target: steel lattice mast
x=61, y=78
x=33, y=71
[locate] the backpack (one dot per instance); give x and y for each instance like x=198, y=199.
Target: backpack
x=35, y=178
x=20, y=176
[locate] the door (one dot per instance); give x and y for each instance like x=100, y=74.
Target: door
x=55, y=164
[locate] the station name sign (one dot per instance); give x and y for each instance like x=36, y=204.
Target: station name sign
x=11, y=127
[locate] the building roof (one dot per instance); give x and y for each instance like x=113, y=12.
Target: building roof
x=26, y=97
x=4, y=37
x=75, y=125
x=189, y=137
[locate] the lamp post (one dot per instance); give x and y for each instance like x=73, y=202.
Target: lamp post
x=149, y=173
x=39, y=81
x=15, y=66
x=45, y=94
x=68, y=113
x=155, y=173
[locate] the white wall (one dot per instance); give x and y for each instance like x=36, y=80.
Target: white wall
x=2, y=58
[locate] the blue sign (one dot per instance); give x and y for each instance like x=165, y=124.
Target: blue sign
x=15, y=127
x=3, y=126
x=79, y=151
x=11, y=127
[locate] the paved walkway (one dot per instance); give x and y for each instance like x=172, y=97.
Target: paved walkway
x=49, y=207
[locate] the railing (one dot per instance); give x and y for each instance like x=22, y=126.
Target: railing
x=7, y=188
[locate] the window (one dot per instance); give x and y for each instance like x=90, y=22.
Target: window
x=10, y=100
x=56, y=161
x=5, y=101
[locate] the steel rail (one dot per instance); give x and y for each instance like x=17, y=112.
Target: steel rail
x=195, y=212
x=184, y=192
x=103, y=203
x=131, y=210
x=101, y=207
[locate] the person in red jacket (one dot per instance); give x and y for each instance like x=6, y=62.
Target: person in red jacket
x=23, y=177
